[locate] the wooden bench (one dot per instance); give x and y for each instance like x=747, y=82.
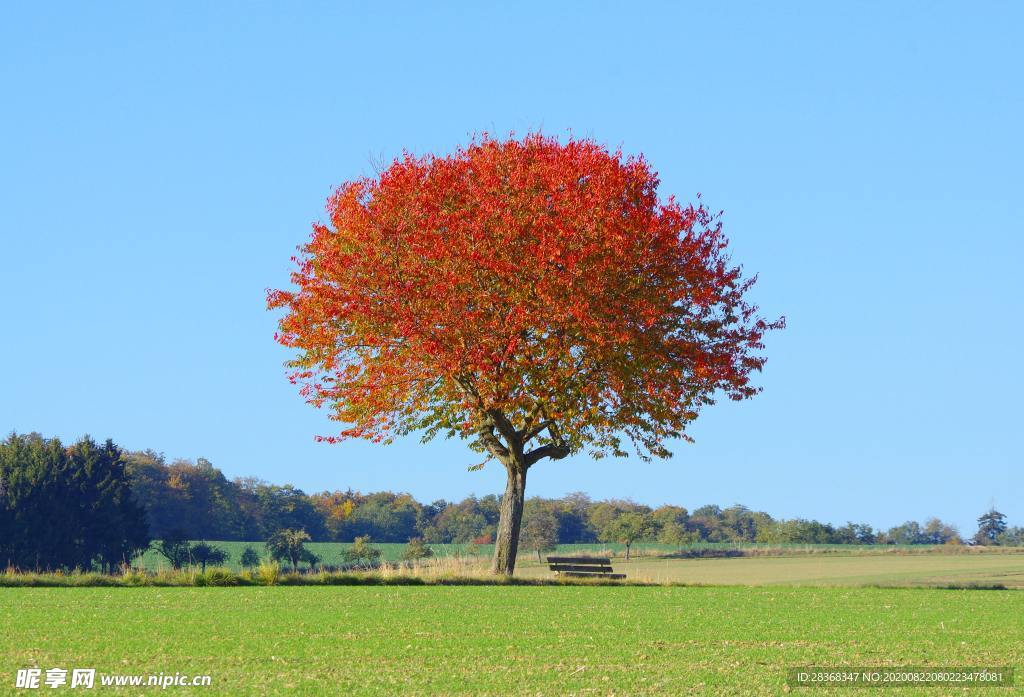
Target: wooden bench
x=587, y=567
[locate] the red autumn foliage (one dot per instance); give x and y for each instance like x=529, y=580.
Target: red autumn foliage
x=524, y=284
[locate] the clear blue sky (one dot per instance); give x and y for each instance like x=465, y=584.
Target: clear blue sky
x=161, y=161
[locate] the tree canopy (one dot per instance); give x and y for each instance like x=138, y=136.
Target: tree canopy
x=519, y=290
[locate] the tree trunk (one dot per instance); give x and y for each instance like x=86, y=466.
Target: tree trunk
x=628, y=545
x=511, y=518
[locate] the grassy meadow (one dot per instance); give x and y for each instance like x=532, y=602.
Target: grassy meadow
x=822, y=570
x=505, y=639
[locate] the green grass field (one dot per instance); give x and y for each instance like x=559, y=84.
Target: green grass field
x=505, y=639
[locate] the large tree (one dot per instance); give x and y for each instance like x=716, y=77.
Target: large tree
x=535, y=297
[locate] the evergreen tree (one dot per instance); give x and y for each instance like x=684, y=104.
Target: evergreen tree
x=67, y=508
x=991, y=525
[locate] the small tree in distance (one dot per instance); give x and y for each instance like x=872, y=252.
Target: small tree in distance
x=250, y=558
x=175, y=548
x=677, y=535
x=536, y=298
x=936, y=532
x=991, y=525
x=540, y=530
x=1011, y=537
x=626, y=528
x=311, y=558
x=670, y=523
x=416, y=549
x=203, y=554
x=362, y=553
x=288, y=544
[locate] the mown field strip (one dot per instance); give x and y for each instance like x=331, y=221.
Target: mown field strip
x=854, y=570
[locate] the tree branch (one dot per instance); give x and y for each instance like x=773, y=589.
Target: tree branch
x=492, y=442
x=555, y=451
x=505, y=428
x=530, y=418
x=535, y=431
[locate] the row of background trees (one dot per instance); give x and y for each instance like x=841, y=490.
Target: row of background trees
x=93, y=504
x=285, y=546
x=250, y=509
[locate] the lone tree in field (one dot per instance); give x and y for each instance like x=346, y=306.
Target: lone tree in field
x=626, y=528
x=204, y=554
x=175, y=548
x=362, y=553
x=250, y=558
x=288, y=544
x=991, y=525
x=534, y=297
x=540, y=530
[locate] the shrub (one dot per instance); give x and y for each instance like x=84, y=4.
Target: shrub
x=269, y=573
x=361, y=553
x=221, y=577
x=134, y=577
x=416, y=549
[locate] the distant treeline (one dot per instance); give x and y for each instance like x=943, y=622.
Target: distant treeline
x=64, y=506
x=198, y=497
